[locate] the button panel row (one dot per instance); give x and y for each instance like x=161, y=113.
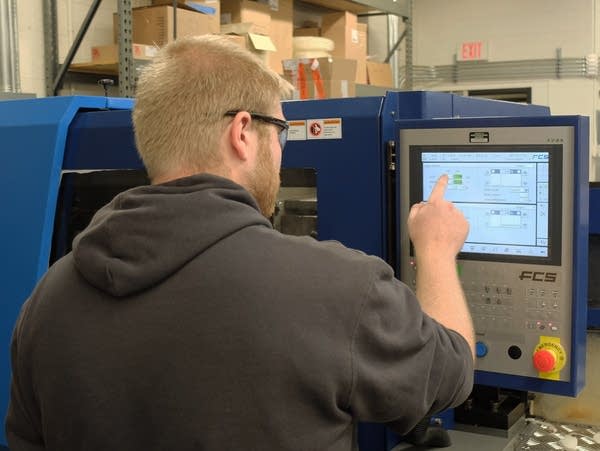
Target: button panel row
x=502, y=307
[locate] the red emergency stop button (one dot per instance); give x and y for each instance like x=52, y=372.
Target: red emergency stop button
x=544, y=360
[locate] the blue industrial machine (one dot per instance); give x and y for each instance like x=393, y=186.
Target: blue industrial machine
x=41, y=139
x=345, y=177
x=594, y=258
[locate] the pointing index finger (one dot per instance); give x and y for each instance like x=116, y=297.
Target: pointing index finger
x=437, y=193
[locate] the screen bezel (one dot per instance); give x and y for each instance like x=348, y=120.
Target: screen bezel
x=554, y=195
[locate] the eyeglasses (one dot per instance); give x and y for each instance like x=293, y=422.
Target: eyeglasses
x=282, y=134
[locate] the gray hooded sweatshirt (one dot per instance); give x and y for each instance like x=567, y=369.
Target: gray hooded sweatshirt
x=183, y=321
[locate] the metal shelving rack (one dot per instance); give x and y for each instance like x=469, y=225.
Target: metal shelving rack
x=126, y=67
x=399, y=8
x=50, y=45
x=395, y=7
x=55, y=72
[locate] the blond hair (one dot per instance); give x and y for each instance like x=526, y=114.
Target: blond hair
x=182, y=97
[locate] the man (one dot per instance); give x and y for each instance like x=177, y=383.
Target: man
x=182, y=320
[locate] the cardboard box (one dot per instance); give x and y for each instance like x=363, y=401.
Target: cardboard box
x=246, y=11
x=194, y=5
x=350, y=39
x=258, y=44
x=361, y=60
x=307, y=31
x=320, y=78
x=208, y=7
x=343, y=5
x=282, y=31
x=240, y=28
x=109, y=54
x=380, y=74
x=153, y=25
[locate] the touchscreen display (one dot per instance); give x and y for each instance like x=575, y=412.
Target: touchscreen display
x=509, y=196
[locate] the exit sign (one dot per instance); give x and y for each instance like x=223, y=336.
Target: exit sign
x=472, y=51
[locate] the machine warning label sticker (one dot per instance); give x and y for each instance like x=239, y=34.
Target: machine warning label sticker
x=330, y=128
x=324, y=128
x=297, y=131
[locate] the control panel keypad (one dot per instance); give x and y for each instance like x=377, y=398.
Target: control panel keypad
x=493, y=308
x=542, y=309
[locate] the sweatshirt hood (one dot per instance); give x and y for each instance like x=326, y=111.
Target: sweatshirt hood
x=149, y=232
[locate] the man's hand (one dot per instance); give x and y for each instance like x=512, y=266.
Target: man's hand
x=437, y=226
x=438, y=230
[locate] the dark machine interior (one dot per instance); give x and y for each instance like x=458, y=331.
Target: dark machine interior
x=81, y=195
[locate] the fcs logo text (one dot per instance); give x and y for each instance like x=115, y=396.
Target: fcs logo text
x=538, y=276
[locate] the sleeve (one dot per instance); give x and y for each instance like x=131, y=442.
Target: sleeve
x=405, y=365
x=21, y=433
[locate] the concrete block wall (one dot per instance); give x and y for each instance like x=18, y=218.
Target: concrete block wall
x=31, y=48
x=516, y=30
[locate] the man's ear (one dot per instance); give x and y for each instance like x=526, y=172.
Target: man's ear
x=240, y=136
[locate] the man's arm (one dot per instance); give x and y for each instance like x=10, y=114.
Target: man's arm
x=21, y=433
x=438, y=230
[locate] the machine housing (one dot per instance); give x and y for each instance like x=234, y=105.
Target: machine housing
x=64, y=156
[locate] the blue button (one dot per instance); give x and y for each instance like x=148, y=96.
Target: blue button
x=481, y=349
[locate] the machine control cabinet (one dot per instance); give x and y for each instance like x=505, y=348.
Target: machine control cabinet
x=522, y=185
